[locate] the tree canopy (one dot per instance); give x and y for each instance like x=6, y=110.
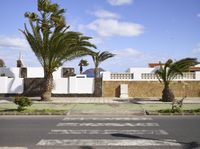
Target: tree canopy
x=51, y=40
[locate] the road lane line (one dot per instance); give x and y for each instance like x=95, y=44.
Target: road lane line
x=109, y=124
x=104, y=132
x=107, y=142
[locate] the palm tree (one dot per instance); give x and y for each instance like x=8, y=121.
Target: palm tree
x=98, y=58
x=51, y=41
x=167, y=72
x=81, y=64
x=2, y=64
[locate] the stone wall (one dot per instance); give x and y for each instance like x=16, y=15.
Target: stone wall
x=33, y=86
x=151, y=88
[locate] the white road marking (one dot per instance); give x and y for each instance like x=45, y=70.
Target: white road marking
x=107, y=142
x=13, y=148
x=109, y=124
x=109, y=119
x=128, y=132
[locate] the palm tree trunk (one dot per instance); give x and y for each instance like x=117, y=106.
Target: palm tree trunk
x=48, y=85
x=81, y=69
x=167, y=94
x=95, y=72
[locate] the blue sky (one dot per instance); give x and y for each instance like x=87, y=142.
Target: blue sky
x=137, y=31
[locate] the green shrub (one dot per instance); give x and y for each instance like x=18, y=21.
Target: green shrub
x=177, y=110
x=22, y=102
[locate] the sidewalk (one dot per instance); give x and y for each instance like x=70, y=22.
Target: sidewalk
x=102, y=100
x=76, y=106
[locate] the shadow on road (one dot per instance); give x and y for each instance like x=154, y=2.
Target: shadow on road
x=86, y=147
x=186, y=145
x=191, y=145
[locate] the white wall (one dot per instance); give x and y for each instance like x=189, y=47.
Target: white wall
x=71, y=85
x=38, y=72
x=12, y=72
x=15, y=85
x=57, y=73
x=35, y=72
x=60, y=86
x=84, y=85
x=11, y=85
x=3, y=85
x=141, y=70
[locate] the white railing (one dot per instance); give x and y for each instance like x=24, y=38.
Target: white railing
x=147, y=76
x=121, y=76
x=188, y=75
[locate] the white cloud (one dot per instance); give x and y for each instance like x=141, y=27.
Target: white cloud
x=120, y=2
x=124, y=59
x=114, y=27
x=13, y=43
x=101, y=13
x=96, y=40
x=196, y=49
x=128, y=52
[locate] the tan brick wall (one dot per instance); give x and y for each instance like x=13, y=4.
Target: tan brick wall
x=151, y=88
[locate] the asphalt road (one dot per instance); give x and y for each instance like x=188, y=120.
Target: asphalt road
x=139, y=132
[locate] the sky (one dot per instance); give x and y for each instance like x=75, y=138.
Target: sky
x=137, y=31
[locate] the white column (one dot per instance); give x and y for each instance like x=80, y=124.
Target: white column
x=106, y=75
x=72, y=85
x=197, y=74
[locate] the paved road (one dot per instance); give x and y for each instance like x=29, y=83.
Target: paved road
x=52, y=132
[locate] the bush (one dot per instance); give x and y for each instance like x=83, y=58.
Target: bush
x=22, y=102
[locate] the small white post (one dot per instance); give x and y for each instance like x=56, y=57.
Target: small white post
x=124, y=91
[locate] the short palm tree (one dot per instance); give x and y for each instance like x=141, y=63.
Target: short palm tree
x=168, y=71
x=51, y=41
x=2, y=64
x=81, y=64
x=98, y=58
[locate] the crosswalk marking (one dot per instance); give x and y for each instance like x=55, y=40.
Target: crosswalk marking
x=108, y=119
x=107, y=142
x=104, y=132
x=109, y=124
x=13, y=148
x=77, y=126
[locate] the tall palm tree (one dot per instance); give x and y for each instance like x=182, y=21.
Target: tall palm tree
x=167, y=72
x=51, y=41
x=98, y=58
x=81, y=64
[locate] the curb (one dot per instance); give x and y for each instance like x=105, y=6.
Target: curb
x=172, y=114
x=74, y=114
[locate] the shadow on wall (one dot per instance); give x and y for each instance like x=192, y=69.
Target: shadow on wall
x=13, y=84
x=117, y=91
x=33, y=86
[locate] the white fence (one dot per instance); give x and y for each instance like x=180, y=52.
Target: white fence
x=11, y=83
x=71, y=85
